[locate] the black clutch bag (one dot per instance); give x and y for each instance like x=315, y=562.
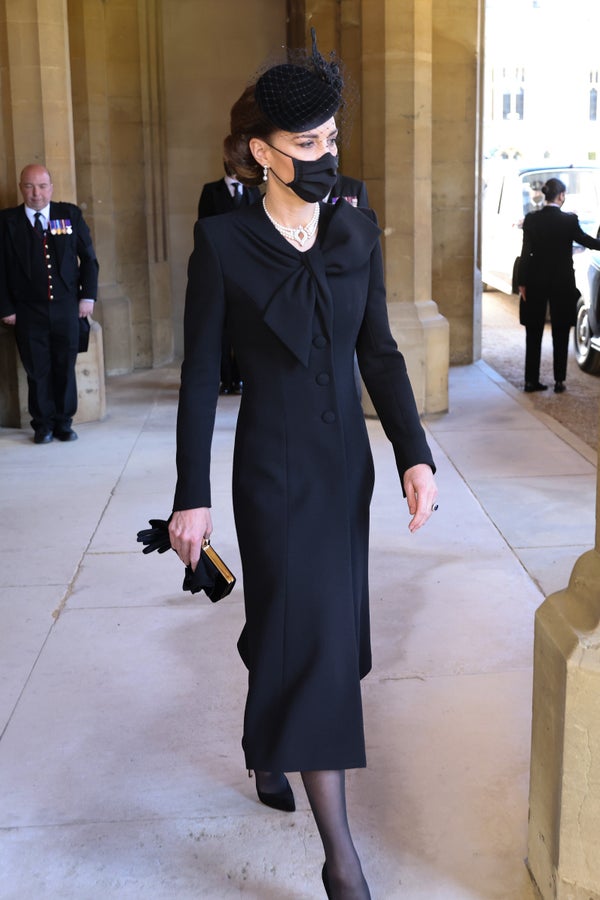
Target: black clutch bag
x=211, y=575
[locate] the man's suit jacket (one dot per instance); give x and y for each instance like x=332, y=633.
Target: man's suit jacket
x=76, y=263
x=546, y=263
x=216, y=198
x=351, y=189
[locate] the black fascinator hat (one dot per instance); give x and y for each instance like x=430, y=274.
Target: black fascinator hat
x=301, y=94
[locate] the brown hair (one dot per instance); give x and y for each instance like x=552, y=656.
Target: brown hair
x=247, y=121
x=552, y=188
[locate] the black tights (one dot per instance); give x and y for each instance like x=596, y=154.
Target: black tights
x=326, y=793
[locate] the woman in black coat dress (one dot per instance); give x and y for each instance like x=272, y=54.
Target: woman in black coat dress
x=546, y=277
x=299, y=284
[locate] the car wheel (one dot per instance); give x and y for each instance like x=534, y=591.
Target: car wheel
x=588, y=359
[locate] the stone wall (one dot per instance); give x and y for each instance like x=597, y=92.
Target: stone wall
x=209, y=56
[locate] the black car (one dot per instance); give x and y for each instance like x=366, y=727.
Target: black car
x=587, y=329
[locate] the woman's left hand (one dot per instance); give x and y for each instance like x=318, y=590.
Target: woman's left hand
x=421, y=494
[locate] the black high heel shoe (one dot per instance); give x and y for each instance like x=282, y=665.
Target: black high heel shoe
x=325, y=879
x=282, y=800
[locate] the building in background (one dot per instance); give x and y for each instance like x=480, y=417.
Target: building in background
x=542, y=77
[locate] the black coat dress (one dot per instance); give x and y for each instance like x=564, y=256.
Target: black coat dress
x=303, y=472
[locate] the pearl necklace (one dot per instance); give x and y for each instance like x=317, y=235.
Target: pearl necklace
x=299, y=235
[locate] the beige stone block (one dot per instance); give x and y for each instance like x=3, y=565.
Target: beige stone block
x=454, y=232
x=126, y=143
x=422, y=337
x=121, y=22
x=21, y=11
x=127, y=184
x=55, y=84
x=26, y=83
x=10, y=407
x=564, y=798
x=454, y=144
x=53, y=45
x=436, y=333
x=114, y=312
x=143, y=357
x=91, y=390
x=23, y=52
x=123, y=77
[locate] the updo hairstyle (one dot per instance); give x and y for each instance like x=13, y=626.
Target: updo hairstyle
x=247, y=121
x=552, y=188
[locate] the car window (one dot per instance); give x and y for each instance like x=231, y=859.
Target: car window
x=583, y=193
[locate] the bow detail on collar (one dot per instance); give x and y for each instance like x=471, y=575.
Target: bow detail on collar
x=347, y=240
x=290, y=312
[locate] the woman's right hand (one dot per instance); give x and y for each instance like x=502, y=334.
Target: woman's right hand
x=188, y=529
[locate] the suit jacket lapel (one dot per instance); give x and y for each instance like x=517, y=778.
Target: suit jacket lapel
x=226, y=198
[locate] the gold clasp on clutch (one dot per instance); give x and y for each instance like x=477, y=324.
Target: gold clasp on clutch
x=217, y=562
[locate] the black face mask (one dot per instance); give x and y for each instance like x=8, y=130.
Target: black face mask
x=314, y=178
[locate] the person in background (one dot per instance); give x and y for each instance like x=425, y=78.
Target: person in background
x=546, y=277
x=225, y=195
x=352, y=190
x=300, y=283
x=217, y=197
x=48, y=281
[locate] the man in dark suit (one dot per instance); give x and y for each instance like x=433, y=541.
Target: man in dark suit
x=351, y=189
x=225, y=195
x=546, y=277
x=48, y=281
x=217, y=197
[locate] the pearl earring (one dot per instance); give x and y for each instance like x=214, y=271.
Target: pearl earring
x=265, y=172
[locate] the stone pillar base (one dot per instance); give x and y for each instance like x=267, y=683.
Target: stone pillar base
x=91, y=388
x=436, y=338
x=564, y=797
x=114, y=313
x=422, y=335
x=10, y=415
x=91, y=391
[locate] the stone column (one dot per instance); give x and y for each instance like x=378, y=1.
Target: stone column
x=38, y=99
x=95, y=174
x=155, y=158
x=564, y=795
x=37, y=120
x=397, y=139
x=457, y=127
x=116, y=55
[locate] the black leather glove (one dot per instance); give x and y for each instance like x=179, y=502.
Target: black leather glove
x=156, y=537
x=206, y=576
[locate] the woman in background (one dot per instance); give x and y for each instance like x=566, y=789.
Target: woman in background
x=546, y=276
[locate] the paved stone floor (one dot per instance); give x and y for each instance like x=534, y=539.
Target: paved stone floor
x=121, y=697
x=503, y=347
